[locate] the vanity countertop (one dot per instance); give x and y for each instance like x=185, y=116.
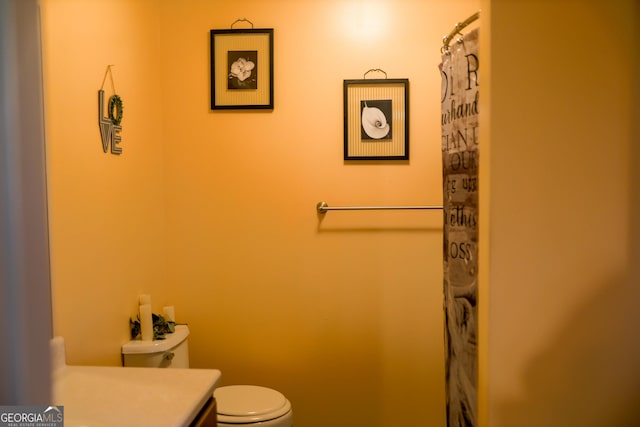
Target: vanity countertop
x=108, y=396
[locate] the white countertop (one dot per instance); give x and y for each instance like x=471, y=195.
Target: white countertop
x=102, y=396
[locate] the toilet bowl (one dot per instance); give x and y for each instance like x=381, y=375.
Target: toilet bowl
x=237, y=405
x=252, y=406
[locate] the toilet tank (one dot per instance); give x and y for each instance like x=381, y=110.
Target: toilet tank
x=171, y=352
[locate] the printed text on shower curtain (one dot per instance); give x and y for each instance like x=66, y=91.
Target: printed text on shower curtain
x=460, y=85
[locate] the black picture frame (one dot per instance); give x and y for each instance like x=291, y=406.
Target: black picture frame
x=242, y=69
x=376, y=119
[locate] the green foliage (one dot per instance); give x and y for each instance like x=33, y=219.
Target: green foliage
x=161, y=327
x=115, y=103
x=134, y=325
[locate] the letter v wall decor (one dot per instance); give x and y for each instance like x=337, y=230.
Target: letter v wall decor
x=376, y=119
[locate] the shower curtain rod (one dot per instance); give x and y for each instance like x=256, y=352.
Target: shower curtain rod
x=459, y=26
x=323, y=207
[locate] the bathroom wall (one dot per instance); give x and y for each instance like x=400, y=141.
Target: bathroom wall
x=559, y=204
x=106, y=211
x=214, y=212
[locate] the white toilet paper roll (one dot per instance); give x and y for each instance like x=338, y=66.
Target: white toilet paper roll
x=169, y=313
x=146, y=322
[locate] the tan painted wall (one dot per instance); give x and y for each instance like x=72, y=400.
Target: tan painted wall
x=106, y=211
x=559, y=205
x=214, y=212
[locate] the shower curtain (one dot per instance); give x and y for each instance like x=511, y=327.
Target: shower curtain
x=459, y=98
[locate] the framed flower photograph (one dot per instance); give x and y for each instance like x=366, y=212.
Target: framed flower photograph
x=376, y=119
x=242, y=69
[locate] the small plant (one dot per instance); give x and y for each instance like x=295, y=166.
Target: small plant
x=161, y=327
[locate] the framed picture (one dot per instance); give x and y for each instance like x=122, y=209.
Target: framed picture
x=376, y=119
x=242, y=69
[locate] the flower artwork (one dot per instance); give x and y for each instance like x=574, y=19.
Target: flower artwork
x=243, y=69
x=238, y=79
x=376, y=119
x=376, y=123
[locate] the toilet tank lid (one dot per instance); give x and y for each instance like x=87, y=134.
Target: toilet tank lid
x=157, y=346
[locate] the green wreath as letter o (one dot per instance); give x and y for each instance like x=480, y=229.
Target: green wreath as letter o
x=115, y=103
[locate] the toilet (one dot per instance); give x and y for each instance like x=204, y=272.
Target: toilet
x=251, y=405
x=237, y=405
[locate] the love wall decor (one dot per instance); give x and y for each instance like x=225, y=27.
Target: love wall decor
x=110, y=126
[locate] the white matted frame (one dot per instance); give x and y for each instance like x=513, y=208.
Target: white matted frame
x=253, y=50
x=376, y=119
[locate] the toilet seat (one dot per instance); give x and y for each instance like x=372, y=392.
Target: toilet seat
x=246, y=404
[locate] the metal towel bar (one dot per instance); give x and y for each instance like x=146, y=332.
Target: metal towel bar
x=323, y=207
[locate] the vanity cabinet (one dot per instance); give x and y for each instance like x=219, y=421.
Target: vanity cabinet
x=208, y=415
x=103, y=396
